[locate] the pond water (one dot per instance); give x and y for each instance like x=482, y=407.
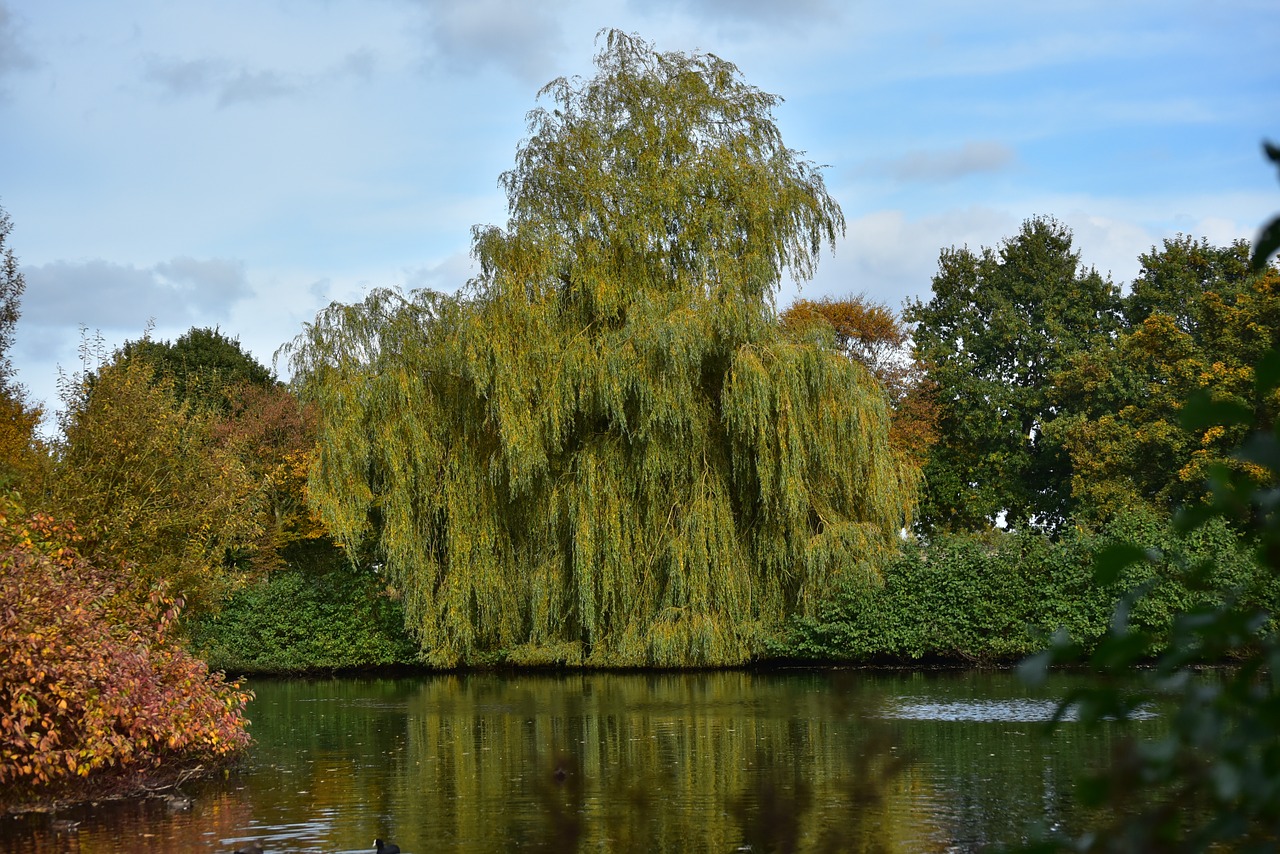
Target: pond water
x=803, y=760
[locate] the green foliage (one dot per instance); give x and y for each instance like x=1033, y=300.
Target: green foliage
x=606, y=451
x=1213, y=781
x=1059, y=398
x=146, y=483
x=296, y=620
x=1268, y=241
x=998, y=596
x=12, y=285
x=1174, y=281
x=1197, y=318
x=93, y=685
x=24, y=457
x=998, y=327
x=205, y=367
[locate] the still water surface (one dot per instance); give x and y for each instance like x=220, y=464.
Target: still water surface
x=825, y=760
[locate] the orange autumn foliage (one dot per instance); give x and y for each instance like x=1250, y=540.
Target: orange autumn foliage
x=91, y=685
x=273, y=435
x=24, y=460
x=871, y=334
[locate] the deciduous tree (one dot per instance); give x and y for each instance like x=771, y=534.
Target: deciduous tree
x=273, y=436
x=23, y=456
x=204, y=366
x=255, y=418
x=1000, y=324
x=606, y=450
x=145, y=482
x=871, y=334
x=1197, y=319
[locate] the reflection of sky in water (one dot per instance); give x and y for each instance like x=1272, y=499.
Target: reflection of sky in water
x=994, y=711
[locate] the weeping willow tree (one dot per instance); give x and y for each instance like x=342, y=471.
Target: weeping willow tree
x=604, y=450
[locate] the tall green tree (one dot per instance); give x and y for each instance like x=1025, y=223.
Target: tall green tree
x=1197, y=319
x=606, y=450
x=1173, y=282
x=23, y=456
x=148, y=486
x=206, y=368
x=1000, y=324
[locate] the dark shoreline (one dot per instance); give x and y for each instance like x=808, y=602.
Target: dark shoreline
x=163, y=783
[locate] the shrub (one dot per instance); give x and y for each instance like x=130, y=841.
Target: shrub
x=326, y=616
x=999, y=595
x=91, y=685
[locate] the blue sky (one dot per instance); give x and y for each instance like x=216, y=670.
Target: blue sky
x=241, y=163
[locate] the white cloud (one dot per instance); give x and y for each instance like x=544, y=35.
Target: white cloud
x=739, y=15
x=446, y=277
x=518, y=37
x=360, y=64
x=972, y=157
x=257, y=86
x=184, y=77
x=231, y=85
x=336, y=166
x=103, y=295
x=1109, y=244
x=889, y=256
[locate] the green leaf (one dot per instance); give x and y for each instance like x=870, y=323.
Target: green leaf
x=1266, y=245
x=1272, y=152
x=1111, y=560
x=1269, y=238
x=1202, y=411
x=1266, y=373
x=1262, y=449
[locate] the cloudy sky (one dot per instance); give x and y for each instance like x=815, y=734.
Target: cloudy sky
x=242, y=163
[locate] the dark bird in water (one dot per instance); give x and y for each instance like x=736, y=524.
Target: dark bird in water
x=251, y=848
x=385, y=847
x=177, y=802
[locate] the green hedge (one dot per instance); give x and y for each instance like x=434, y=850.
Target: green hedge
x=334, y=617
x=998, y=596
x=964, y=597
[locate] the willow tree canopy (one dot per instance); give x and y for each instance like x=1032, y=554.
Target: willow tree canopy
x=605, y=450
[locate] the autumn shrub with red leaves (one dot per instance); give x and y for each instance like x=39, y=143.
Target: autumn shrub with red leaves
x=93, y=687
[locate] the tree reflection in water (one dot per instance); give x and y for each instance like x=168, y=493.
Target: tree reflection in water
x=832, y=760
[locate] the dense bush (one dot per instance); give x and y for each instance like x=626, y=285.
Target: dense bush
x=1000, y=595
x=92, y=686
x=299, y=620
